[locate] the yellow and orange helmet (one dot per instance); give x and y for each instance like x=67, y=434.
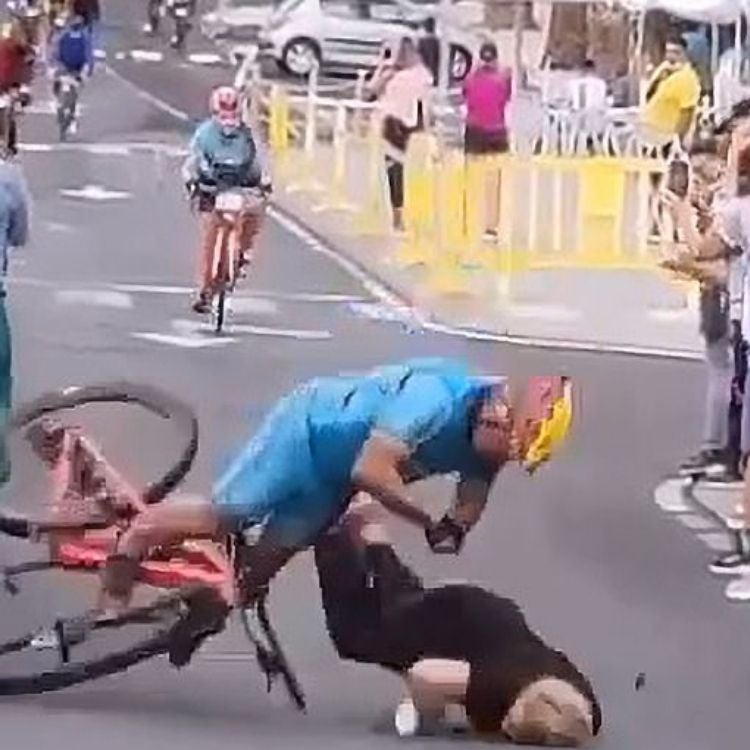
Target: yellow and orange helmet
x=543, y=419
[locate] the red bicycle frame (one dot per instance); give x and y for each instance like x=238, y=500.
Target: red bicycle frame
x=86, y=485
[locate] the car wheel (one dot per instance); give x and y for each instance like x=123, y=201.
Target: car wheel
x=460, y=64
x=299, y=57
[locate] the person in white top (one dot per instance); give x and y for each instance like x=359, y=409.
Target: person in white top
x=402, y=84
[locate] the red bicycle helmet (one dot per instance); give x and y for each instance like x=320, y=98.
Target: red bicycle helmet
x=225, y=106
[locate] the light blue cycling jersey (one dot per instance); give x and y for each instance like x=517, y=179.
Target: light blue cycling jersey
x=297, y=468
x=212, y=146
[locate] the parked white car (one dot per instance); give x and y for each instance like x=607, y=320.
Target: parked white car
x=240, y=18
x=349, y=34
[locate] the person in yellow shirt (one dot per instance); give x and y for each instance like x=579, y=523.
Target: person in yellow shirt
x=673, y=95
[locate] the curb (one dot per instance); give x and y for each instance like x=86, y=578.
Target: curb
x=397, y=299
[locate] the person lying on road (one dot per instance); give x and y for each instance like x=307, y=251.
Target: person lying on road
x=335, y=436
x=455, y=646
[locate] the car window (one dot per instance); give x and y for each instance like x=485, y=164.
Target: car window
x=350, y=9
x=254, y=3
x=387, y=11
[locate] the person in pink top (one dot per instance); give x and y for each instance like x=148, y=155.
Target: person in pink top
x=487, y=91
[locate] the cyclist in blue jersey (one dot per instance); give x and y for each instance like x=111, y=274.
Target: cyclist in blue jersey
x=74, y=54
x=335, y=437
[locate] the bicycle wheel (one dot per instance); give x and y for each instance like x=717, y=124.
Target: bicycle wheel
x=152, y=399
x=221, y=302
x=110, y=645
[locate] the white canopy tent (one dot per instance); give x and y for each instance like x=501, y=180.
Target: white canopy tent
x=701, y=11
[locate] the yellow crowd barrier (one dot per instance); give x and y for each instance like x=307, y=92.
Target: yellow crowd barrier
x=278, y=130
x=545, y=212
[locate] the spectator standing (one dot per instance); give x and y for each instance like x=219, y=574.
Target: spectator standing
x=428, y=47
x=487, y=91
x=402, y=84
x=14, y=229
x=14, y=207
x=713, y=259
x=728, y=236
x=672, y=98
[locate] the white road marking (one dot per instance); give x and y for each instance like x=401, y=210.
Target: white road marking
x=108, y=149
x=254, y=306
x=375, y=311
x=668, y=496
x=155, y=289
x=289, y=333
x=36, y=147
x=160, y=104
x=145, y=55
x=118, y=300
x=254, y=294
x=205, y=58
x=58, y=227
x=185, y=342
x=191, y=327
x=383, y=293
x=695, y=522
x=717, y=541
x=95, y=193
x=100, y=54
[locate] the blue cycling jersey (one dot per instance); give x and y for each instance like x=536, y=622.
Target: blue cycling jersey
x=75, y=50
x=299, y=465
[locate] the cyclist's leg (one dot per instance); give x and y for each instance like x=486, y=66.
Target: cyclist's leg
x=252, y=223
x=208, y=229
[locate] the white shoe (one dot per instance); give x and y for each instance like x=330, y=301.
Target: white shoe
x=407, y=719
x=739, y=590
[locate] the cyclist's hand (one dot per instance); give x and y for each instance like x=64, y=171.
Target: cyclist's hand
x=445, y=537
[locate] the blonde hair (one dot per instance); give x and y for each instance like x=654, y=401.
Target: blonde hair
x=550, y=711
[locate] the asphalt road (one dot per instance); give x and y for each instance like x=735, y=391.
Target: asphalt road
x=600, y=570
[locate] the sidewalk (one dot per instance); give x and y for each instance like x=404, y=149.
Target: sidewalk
x=600, y=309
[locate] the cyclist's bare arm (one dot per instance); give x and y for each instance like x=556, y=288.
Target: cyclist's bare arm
x=471, y=500
x=376, y=472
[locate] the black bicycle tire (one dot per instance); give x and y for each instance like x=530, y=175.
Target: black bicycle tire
x=221, y=302
x=150, y=398
x=79, y=672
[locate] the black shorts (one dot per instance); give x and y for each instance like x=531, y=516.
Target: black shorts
x=360, y=589
x=479, y=142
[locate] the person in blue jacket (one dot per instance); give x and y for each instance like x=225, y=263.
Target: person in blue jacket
x=14, y=207
x=74, y=55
